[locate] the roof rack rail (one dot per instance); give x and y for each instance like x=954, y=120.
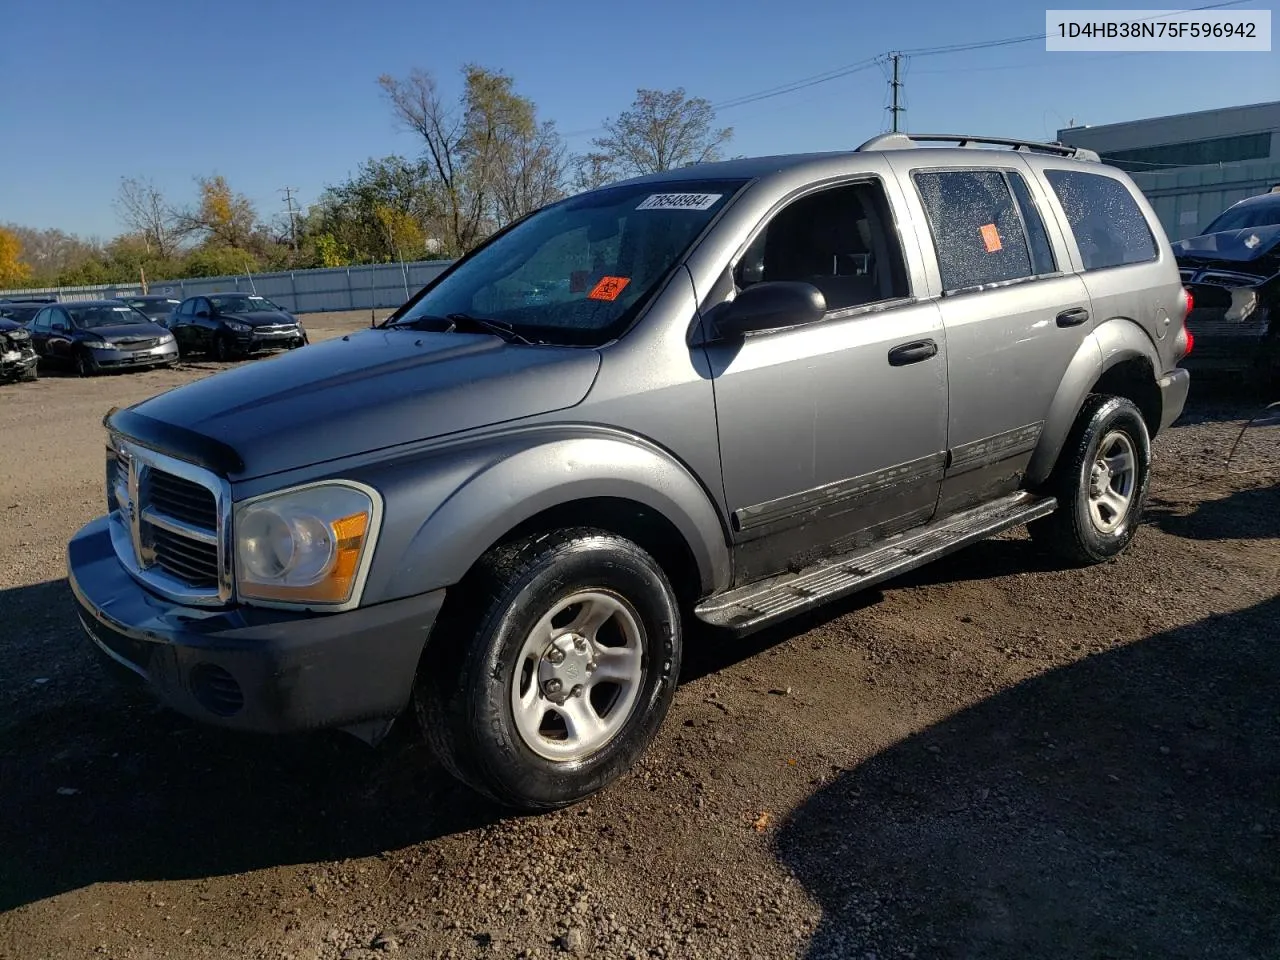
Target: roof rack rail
x=899, y=141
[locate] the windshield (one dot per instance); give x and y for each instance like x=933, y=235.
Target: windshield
x=1247, y=215
x=578, y=271
x=87, y=318
x=242, y=303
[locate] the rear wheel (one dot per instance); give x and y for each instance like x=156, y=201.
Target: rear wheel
x=554, y=669
x=1101, y=483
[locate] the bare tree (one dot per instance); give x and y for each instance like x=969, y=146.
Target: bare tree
x=492, y=160
x=144, y=211
x=662, y=130
x=418, y=106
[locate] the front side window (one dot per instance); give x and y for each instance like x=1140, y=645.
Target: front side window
x=578, y=271
x=977, y=231
x=1108, y=224
x=42, y=320
x=835, y=239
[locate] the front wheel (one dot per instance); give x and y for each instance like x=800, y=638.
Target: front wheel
x=554, y=669
x=1101, y=483
x=84, y=365
x=221, y=348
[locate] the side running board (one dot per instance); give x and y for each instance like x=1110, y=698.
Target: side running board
x=765, y=602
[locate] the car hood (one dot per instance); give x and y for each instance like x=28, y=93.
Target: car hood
x=371, y=390
x=266, y=318
x=1252, y=249
x=6, y=325
x=123, y=331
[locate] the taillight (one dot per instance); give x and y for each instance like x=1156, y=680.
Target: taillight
x=1186, y=339
x=1188, y=303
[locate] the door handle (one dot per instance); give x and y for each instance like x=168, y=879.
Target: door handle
x=912, y=352
x=1073, y=318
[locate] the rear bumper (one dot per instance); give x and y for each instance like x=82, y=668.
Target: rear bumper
x=262, y=670
x=1173, y=396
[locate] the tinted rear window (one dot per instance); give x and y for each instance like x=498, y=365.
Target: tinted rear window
x=977, y=232
x=1107, y=222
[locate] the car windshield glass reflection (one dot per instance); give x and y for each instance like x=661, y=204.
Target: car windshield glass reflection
x=87, y=318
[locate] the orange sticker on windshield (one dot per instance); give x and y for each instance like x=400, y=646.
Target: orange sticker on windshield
x=990, y=237
x=608, y=288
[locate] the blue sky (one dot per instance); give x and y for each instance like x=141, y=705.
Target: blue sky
x=273, y=94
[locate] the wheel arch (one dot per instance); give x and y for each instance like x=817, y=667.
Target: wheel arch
x=1118, y=358
x=615, y=483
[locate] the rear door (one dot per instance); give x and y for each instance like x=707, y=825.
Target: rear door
x=1130, y=274
x=1014, y=310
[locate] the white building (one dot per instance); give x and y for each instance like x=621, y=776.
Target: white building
x=1192, y=166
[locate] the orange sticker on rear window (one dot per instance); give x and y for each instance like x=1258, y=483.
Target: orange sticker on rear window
x=990, y=237
x=608, y=288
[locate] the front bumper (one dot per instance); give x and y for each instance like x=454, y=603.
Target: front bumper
x=149, y=356
x=14, y=363
x=255, y=341
x=263, y=670
x=1173, y=396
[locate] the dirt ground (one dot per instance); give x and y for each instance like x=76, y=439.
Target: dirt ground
x=990, y=758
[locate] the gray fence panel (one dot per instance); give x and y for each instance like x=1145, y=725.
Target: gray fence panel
x=365, y=287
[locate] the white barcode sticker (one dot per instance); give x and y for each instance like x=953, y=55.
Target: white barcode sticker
x=680, y=201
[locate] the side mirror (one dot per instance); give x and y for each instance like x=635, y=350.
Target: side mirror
x=770, y=305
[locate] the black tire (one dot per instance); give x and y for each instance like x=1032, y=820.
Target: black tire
x=84, y=365
x=29, y=375
x=1071, y=532
x=463, y=692
x=222, y=351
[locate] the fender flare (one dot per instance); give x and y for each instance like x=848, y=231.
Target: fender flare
x=1110, y=343
x=517, y=478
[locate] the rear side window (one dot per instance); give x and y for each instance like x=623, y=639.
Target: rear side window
x=1107, y=222
x=977, y=230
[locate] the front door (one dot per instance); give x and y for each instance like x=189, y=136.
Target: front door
x=831, y=434
x=1015, y=316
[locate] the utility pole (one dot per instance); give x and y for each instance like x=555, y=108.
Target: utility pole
x=895, y=85
x=293, y=223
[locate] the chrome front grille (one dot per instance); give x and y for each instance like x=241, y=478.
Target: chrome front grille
x=139, y=343
x=170, y=524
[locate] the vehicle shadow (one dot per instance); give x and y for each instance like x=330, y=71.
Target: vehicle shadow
x=99, y=783
x=1125, y=805
x=1240, y=515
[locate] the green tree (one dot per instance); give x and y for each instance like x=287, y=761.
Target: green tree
x=348, y=213
x=662, y=130
x=222, y=217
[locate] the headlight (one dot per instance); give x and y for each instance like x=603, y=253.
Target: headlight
x=1243, y=302
x=308, y=545
x=237, y=327
x=167, y=338
x=98, y=345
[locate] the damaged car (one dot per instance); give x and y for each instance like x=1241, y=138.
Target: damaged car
x=1232, y=272
x=18, y=358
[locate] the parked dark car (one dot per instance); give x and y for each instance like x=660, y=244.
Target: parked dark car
x=94, y=335
x=1232, y=271
x=227, y=325
x=21, y=311
x=18, y=358
x=155, y=308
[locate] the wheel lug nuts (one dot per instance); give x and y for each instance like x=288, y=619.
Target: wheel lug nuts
x=591, y=666
x=579, y=643
x=556, y=655
x=576, y=691
x=553, y=685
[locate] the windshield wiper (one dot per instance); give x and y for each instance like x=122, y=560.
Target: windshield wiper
x=456, y=320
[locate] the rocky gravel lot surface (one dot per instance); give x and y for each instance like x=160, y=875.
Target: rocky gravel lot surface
x=990, y=758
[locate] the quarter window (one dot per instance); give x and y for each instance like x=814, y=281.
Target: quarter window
x=1042, y=260
x=1108, y=224
x=977, y=231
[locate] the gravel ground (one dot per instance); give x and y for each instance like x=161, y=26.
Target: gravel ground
x=990, y=758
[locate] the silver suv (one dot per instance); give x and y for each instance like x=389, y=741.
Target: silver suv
x=726, y=393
